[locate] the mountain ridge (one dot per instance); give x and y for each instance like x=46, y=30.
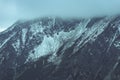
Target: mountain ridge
x=53, y=44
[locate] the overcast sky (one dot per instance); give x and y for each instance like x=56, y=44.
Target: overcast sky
x=13, y=10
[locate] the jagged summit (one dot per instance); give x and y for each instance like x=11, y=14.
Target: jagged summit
x=57, y=42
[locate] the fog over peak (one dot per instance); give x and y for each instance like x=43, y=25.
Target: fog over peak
x=13, y=10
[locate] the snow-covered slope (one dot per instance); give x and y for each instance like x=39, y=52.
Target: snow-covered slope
x=58, y=42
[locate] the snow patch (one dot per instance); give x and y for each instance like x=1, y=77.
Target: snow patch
x=50, y=45
x=24, y=32
x=16, y=45
x=35, y=28
x=117, y=44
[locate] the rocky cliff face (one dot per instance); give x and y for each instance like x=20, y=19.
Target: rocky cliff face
x=61, y=49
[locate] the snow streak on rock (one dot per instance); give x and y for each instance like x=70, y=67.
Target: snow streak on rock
x=24, y=32
x=51, y=44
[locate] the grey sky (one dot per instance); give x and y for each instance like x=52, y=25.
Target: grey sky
x=12, y=10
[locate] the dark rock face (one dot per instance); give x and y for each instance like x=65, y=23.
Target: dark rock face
x=61, y=49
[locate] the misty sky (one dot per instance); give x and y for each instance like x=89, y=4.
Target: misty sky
x=13, y=10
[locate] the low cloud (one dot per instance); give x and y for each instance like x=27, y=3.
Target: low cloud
x=80, y=8
x=12, y=10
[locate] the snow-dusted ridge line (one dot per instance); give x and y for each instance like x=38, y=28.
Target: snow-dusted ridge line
x=2, y=44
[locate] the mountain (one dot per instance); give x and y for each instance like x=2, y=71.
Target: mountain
x=54, y=48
